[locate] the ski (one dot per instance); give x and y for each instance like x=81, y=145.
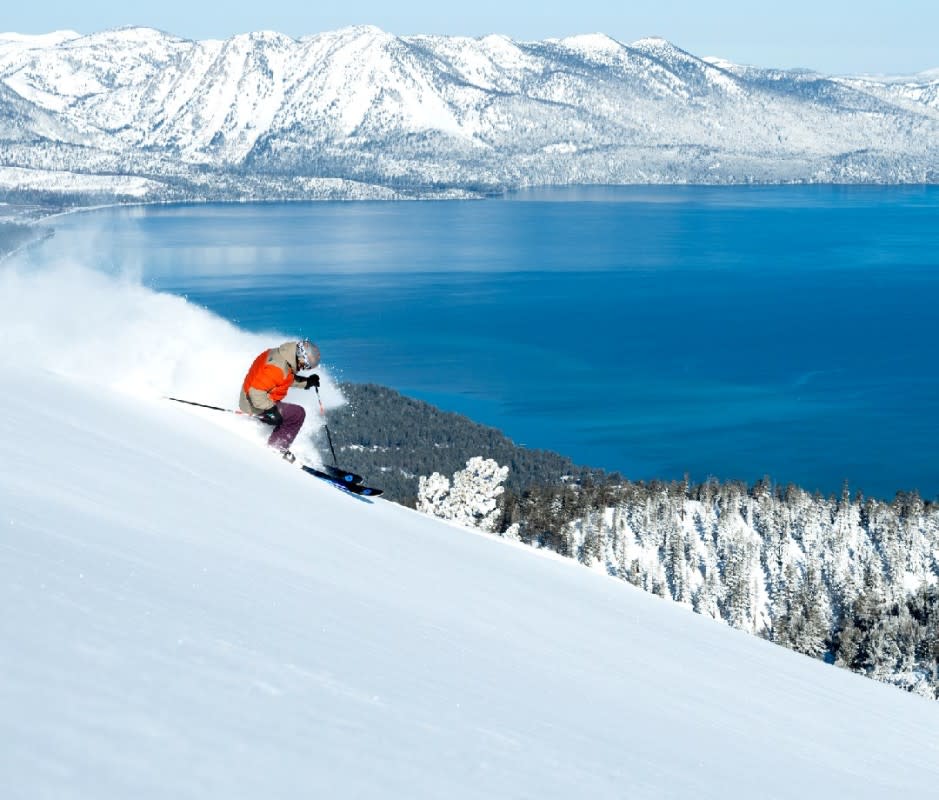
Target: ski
x=344, y=475
x=354, y=488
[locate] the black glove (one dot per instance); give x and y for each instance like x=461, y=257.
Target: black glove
x=312, y=381
x=272, y=416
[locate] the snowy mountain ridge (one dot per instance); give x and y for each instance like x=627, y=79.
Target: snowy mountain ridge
x=262, y=114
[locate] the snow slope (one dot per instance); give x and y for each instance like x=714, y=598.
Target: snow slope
x=186, y=616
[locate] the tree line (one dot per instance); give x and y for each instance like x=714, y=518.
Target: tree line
x=848, y=579
x=396, y=439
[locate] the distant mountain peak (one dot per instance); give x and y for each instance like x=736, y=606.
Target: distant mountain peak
x=592, y=41
x=133, y=33
x=355, y=31
x=359, y=104
x=40, y=39
x=652, y=42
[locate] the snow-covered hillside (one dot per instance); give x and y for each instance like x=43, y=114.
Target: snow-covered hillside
x=187, y=616
x=263, y=115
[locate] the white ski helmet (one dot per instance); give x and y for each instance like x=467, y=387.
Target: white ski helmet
x=308, y=354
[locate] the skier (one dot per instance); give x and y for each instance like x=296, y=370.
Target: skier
x=273, y=372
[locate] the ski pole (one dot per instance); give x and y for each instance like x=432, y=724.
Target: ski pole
x=205, y=405
x=320, y=400
x=329, y=437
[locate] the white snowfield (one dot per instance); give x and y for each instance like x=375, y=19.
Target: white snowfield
x=186, y=616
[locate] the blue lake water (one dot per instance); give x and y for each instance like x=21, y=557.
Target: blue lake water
x=726, y=332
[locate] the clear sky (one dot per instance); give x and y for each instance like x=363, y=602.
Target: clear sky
x=834, y=36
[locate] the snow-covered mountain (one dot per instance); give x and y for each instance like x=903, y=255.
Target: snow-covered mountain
x=187, y=616
x=264, y=115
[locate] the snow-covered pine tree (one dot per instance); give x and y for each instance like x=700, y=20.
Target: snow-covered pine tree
x=473, y=497
x=433, y=496
x=591, y=548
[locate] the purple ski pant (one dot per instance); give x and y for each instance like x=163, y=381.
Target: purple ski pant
x=287, y=431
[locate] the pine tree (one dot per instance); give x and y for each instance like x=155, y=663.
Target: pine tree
x=473, y=497
x=589, y=550
x=859, y=645
x=433, y=496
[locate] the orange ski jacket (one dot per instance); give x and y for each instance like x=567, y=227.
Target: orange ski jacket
x=269, y=377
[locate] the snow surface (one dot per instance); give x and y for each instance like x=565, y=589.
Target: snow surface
x=187, y=616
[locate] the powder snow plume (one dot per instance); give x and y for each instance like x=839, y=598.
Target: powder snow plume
x=80, y=315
